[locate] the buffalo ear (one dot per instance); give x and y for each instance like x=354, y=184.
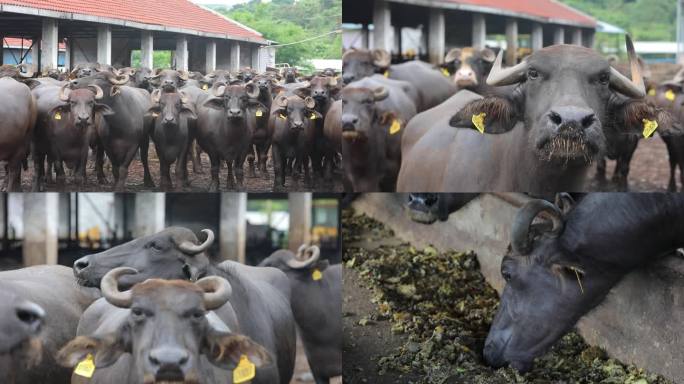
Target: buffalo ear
x=224, y=349
x=496, y=115
x=106, y=350
x=302, y=92
x=634, y=113
x=32, y=83
x=103, y=109
x=189, y=111
x=60, y=108
x=214, y=103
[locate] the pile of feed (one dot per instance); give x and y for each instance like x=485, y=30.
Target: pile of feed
x=442, y=302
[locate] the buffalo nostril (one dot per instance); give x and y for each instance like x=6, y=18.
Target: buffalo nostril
x=555, y=118
x=168, y=357
x=588, y=121
x=81, y=264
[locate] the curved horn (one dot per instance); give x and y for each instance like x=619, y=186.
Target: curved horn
x=183, y=75
x=499, y=76
x=218, y=89
x=110, y=287
x=252, y=90
x=679, y=77
x=381, y=58
x=631, y=88
x=155, y=96
x=297, y=264
x=114, y=79
x=98, y=91
x=217, y=291
x=309, y=102
x=380, y=93
x=27, y=68
x=281, y=101
x=183, y=97
x=452, y=55
x=520, y=231
x=301, y=252
x=193, y=249
x=64, y=96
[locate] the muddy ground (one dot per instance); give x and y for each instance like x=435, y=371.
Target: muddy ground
x=421, y=316
x=198, y=182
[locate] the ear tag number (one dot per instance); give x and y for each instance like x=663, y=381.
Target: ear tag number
x=245, y=371
x=86, y=367
x=205, y=87
x=649, y=127
x=670, y=95
x=313, y=116
x=478, y=122
x=395, y=127
x=259, y=113
x=652, y=92
x=316, y=274
x=58, y=116
x=282, y=116
x=445, y=72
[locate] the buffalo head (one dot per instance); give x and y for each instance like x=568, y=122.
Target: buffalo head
x=167, y=328
x=297, y=111
x=233, y=99
x=565, y=96
x=81, y=105
x=360, y=63
x=469, y=66
x=360, y=111
x=169, y=106
x=321, y=88
x=169, y=80
x=217, y=77
x=173, y=253
x=17, y=72
x=302, y=263
x=20, y=328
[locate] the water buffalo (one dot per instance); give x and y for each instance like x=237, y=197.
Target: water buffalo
x=126, y=130
x=559, y=270
x=669, y=95
x=259, y=304
x=18, y=112
x=65, y=130
x=432, y=86
x=427, y=208
x=223, y=131
x=316, y=305
x=89, y=69
x=138, y=77
x=541, y=137
x=168, y=80
x=290, y=74
x=332, y=132
x=54, y=289
x=373, y=118
x=171, y=112
x=470, y=68
x=218, y=76
x=293, y=130
x=167, y=332
x=261, y=137
x=21, y=321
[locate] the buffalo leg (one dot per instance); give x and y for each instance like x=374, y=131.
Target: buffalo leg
x=182, y=169
x=601, y=170
x=123, y=170
x=144, y=145
x=622, y=167
x=38, y=171
x=239, y=164
x=251, y=158
x=197, y=159
x=672, y=155
x=278, y=168
x=59, y=170
x=215, y=168
x=14, y=176
x=99, y=165
x=165, y=174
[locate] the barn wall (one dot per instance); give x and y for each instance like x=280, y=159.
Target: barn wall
x=639, y=322
x=83, y=50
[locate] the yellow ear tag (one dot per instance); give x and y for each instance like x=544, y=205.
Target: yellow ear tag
x=259, y=113
x=478, y=122
x=649, y=127
x=652, y=92
x=282, y=116
x=395, y=127
x=386, y=74
x=58, y=116
x=86, y=367
x=316, y=274
x=313, y=116
x=670, y=95
x=205, y=87
x=155, y=114
x=245, y=371
x=445, y=72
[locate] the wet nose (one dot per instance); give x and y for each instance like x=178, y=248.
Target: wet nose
x=349, y=122
x=297, y=124
x=234, y=112
x=464, y=73
x=572, y=117
x=319, y=92
x=422, y=202
x=168, y=357
x=83, y=118
x=81, y=264
x=348, y=78
x=31, y=315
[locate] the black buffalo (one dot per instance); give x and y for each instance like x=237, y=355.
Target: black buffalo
x=427, y=208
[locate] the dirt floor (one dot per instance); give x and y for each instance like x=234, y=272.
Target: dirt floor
x=198, y=182
x=421, y=316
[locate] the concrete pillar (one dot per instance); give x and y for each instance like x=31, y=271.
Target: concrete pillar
x=49, y=46
x=382, y=23
x=589, y=38
x=67, y=54
x=479, y=31
x=397, y=40
x=234, y=56
x=577, y=36
x=35, y=53
x=3, y=217
x=559, y=36
x=366, y=37
x=436, y=37
x=150, y=213
x=233, y=226
x=511, y=42
x=255, y=58
x=146, y=49
x=104, y=44
x=41, y=221
x=537, y=37
x=210, y=56
x=182, y=53
x=300, y=219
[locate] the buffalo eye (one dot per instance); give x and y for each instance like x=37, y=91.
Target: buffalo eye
x=197, y=315
x=604, y=78
x=532, y=74
x=138, y=313
x=155, y=246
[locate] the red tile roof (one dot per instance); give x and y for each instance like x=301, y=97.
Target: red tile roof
x=550, y=10
x=16, y=42
x=169, y=13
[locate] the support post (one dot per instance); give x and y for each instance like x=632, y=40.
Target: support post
x=104, y=44
x=511, y=42
x=436, y=37
x=300, y=219
x=41, y=221
x=182, y=53
x=577, y=36
x=49, y=46
x=146, y=49
x=234, y=56
x=210, y=56
x=537, y=37
x=233, y=226
x=479, y=31
x=382, y=23
x=559, y=36
x=150, y=213
x=590, y=38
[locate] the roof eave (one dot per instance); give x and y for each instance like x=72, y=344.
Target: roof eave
x=127, y=23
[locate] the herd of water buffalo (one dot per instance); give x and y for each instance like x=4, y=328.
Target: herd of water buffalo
x=471, y=125
x=232, y=116
x=156, y=309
